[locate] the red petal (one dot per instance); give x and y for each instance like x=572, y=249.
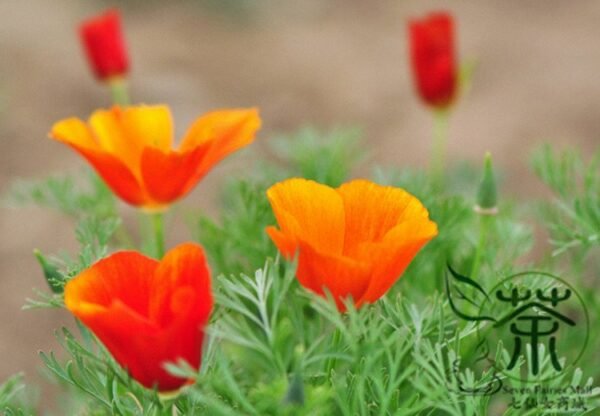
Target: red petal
x=123, y=276
x=169, y=176
x=182, y=267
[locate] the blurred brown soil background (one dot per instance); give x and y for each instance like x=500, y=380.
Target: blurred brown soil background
x=319, y=62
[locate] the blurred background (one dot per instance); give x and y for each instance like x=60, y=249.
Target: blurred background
x=313, y=62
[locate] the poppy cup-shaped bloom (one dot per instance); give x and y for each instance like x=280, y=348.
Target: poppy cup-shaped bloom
x=104, y=45
x=355, y=240
x=433, y=58
x=147, y=313
x=131, y=148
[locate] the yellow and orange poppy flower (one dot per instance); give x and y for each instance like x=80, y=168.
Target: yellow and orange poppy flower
x=132, y=149
x=147, y=313
x=355, y=240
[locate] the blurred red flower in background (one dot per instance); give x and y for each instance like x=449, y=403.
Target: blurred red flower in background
x=145, y=312
x=433, y=58
x=104, y=45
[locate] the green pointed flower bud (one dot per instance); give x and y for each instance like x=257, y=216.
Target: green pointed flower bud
x=53, y=277
x=487, y=195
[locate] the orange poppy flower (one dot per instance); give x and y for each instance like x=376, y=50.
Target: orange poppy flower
x=131, y=148
x=145, y=312
x=355, y=240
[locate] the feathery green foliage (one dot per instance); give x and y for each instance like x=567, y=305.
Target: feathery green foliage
x=573, y=216
x=275, y=349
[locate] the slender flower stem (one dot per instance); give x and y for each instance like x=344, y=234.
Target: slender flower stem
x=159, y=235
x=119, y=91
x=438, y=155
x=485, y=222
x=335, y=342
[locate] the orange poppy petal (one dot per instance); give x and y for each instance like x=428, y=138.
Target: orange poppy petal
x=74, y=132
x=342, y=276
x=107, y=129
x=170, y=175
x=124, y=133
x=286, y=245
x=116, y=174
x=393, y=254
x=309, y=212
x=221, y=132
x=150, y=125
x=372, y=210
x=232, y=128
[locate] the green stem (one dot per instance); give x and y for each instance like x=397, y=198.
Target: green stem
x=119, y=91
x=438, y=155
x=159, y=234
x=484, y=227
x=335, y=342
x=485, y=330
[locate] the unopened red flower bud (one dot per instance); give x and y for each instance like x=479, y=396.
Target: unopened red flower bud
x=104, y=45
x=433, y=58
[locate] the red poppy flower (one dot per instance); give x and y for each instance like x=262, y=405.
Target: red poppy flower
x=145, y=312
x=131, y=148
x=433, y=58
x=104, y=45
x=355, y=240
